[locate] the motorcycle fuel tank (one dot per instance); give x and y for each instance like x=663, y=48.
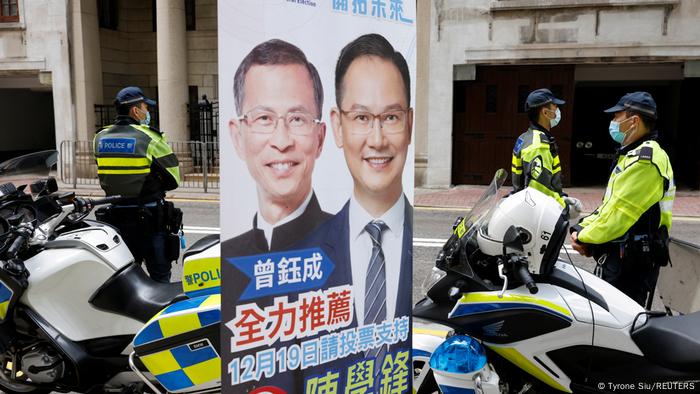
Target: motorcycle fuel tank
x=67, y=272
x=513, y=317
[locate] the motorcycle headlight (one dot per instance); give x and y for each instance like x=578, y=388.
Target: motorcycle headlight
x=433, y=277
x=458, y=354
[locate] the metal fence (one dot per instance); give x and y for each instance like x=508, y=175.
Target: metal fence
x=199, y=164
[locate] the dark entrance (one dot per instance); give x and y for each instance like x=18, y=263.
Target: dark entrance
x=592, y=147
x=489, y=115
x=28, y=124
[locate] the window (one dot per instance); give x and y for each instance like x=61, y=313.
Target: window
x=190, y=15
x=108, y=13
x=9, y=11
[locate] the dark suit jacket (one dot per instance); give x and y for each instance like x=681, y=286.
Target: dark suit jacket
x=254, y=242
x=334, y=238
x=250, y=243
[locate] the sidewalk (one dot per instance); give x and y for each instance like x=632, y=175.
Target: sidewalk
x=687, y=203
x=178, y=194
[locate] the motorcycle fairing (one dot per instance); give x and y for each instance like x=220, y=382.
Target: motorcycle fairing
x=10, y=292
x=484, y=302
x=201, y=272
x=513, y=355
x=587, y=366
x=178, y=345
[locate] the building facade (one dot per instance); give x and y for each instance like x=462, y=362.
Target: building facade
x=63, y=61
x=480, y=59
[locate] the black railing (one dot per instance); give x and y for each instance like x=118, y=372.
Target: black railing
x=204, y=127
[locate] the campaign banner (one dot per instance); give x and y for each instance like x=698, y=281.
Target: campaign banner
x=316, y=112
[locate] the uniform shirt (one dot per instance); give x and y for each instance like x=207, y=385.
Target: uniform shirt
x=536, y=163
x=361, y=251
x=641, y=178
x=134, y=160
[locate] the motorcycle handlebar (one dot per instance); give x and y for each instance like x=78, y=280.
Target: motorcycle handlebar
x=106, y=200
x=17, y=245
x=524, y=275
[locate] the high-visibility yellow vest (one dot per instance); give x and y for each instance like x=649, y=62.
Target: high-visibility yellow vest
x=641, y=178
x=536, y=164
x=127, y=153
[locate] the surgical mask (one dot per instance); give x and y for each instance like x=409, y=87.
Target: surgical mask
x=557, y=117
x=147, y=120
x=614, y=130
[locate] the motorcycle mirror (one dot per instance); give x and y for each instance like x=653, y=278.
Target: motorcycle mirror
x=44, y=186
x=512, y=240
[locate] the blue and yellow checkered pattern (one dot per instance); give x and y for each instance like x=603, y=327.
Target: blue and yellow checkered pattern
x=184, y=365
x=5, y=297
x=184, y=316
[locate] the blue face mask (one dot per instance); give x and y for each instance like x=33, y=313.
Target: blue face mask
x=557, y=117
x=614, y=130
x=147, y=120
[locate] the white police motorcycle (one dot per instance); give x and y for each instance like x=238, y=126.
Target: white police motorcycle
x=76, y=312
x=503, y=314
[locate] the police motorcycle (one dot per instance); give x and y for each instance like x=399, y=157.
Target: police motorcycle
x=76, y=312
x=503, y=313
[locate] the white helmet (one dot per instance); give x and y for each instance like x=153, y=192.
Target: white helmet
x=541, y=223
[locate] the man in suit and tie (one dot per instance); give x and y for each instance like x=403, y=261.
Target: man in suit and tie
x=370, y=239
x=279, y=134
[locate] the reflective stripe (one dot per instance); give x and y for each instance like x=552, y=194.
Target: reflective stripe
x=666, y=205
x=493, y=297
x=169, y=160
x=512, y=355
x=124, y=171
x=3, y=309
x=516, y=170
x=123, y=162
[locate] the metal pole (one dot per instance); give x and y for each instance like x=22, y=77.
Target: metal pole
x=73, y=166
x=205, y=165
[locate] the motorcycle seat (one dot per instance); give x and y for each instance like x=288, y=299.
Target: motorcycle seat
x=671, y=341
x=202, y=244
x=130, y=292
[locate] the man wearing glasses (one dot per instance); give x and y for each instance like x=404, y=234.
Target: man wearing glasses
x=279, y=135
x=370, y=239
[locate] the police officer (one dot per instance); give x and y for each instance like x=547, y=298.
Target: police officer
x=135, y=161
x=535, y=155
x=628, y=233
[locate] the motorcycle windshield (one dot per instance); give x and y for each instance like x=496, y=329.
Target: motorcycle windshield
x=477, y=217
x=24, y=170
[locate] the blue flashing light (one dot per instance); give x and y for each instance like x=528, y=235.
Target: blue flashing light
x=458, y=354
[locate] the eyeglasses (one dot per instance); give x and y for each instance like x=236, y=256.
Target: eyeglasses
x=362, y=122
x=265, y=122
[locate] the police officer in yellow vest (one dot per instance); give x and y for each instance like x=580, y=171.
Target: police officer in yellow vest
x=535, y=155
x=628, y=233
x=135, y=161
